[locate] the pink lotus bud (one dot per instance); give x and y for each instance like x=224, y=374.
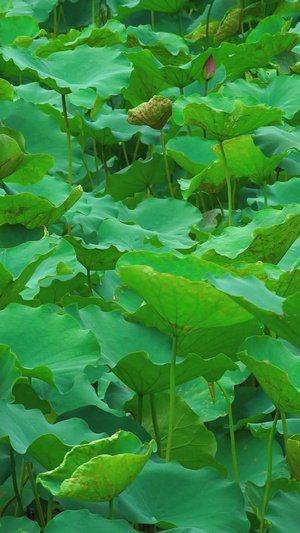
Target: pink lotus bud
x=209, y=69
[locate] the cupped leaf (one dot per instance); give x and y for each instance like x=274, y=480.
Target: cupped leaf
x=93, y=257
x=193, y=445
x=277, y=370
x=223, y=118
x=139, y=373
x=10, y=373
x=106, y=70
x=149, y=499
x=6, y=90
x=98, y=471
x=32, y=211
x=20, y=30
x=11, y=155
x=191, y=153
x=174, y=289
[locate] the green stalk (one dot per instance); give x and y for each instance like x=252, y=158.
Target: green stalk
x=201, y=196
x=231, y=431
x=155, y=424
x=285, y=430
x=172, y=399
x=208, y=17
x=62, y=14
x=111, y=509
x=228, y=181
x=93, y=12
x=96, y=160
x=125, y=154
x=180, y=23
x=14, y=478
x=265, y=195
x=21, y=485
x=140, y=409
x=36, y=497
x=269, y=474
x=55, y=28
x=105, y=170
x=88, y=273
x=166, y=163
x=63, y=98
x=135, y=150
x=152, y=20
x=233, y=194
x=50, y=508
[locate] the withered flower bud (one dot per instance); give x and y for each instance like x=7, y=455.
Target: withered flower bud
x=153, y=113
x=209, y=69
x=230, y=25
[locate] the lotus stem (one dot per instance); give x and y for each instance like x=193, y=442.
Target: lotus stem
x=135, y=150
x=55, y=27
x=105, y=170
x=63, y=98
x=285, y=430
x=180, y=23
x=14, y=478
x=21, y=485
x=172, y=399
x=62, y=14
x=166, y=163
x=152, y=20
x=231, y=431
x=208, y=17
x=36, y=497
x=269, y=474
x=228, y=181
x=96, y=160
x=50, y=508
x=265, y=195
x=111, y=509
x=88, y=273
x=93, y=12
x=155, y=424
x=125, y=154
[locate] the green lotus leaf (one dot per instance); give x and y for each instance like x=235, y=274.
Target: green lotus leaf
x=191, y=153
x=110, y=126
x=16, y=28
x=126, y=7
x=223, y=118
x=32, y=211
x=174, y=289
x=293, y=455
x=59, y=352
x=278, y=374
x=267, y=238
x=11, y=524
x=11, y=155
x=273, y=140
x=138, y=177
x=93, y=257
x=112, y=33
x=279, y=194
x=139, y=373
x=6, y=90
x=60, y=70
x=69, y=521
x=10, y=373
x=149, y=499
x=193, y=445
x=39, y=10
x=98, y=471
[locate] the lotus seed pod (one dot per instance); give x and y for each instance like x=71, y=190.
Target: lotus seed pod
x=230, y=25
x=153, y=113
x=209, y=69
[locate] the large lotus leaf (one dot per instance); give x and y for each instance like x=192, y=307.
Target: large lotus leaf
x=271, y=25
x=173, y=288
x=112, y=33
x=11, y=524
x=10, y=372
x=137, y=177
x=193, y=445
x=11, y=287
x=240, y=58
x=146, y=79
x=168, y=48
x=83, y=520
x=32, y=211
x=273, y=140
x=206, y=342
x=6, y=90
x=279, y=314
x=21, y=427
x=149, y=499
x=287, y=284
x=100, y=470
x=38, y=9
x=59, y=352
x=224, y=118
x=282, y=513
x=19, y=30
x=276, y=93
x=11, y=155
x=279, y=194
x=93, y=257
x=267, y=238
x=277, y=370
x=31, y=169
x=110, y=126
x=126, y=7
x=28, y=118
x=191, y=153
x=139, y=373
x=106, y=70
x=252, y=457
